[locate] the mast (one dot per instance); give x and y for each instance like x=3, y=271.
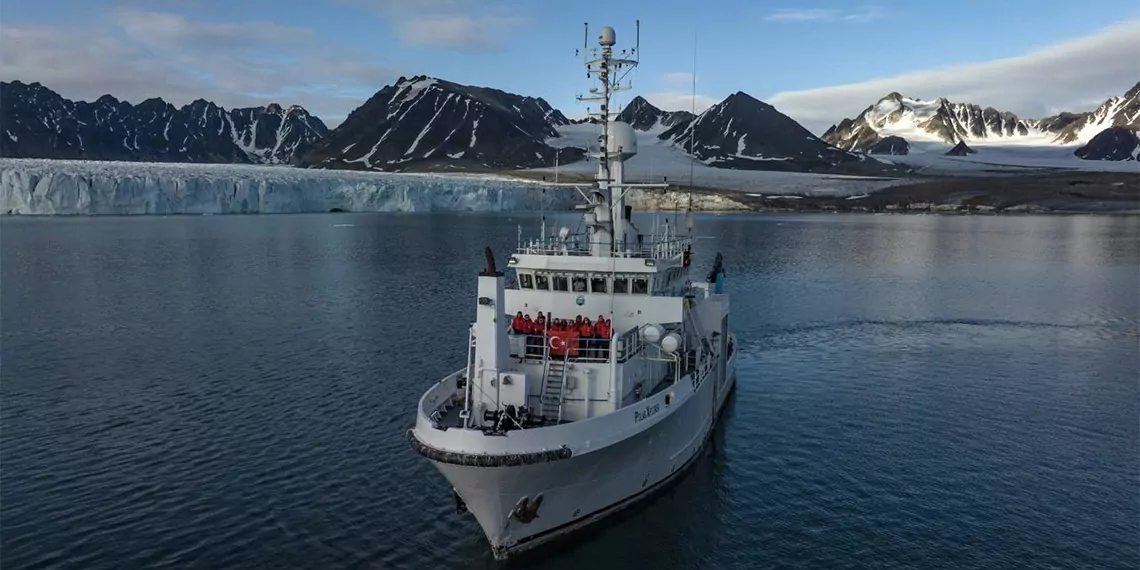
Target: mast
x=606, y=220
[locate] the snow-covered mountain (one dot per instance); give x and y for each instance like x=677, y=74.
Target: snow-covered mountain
x=742, y=132
x=941, y=121
x=39, y=123
x=643, y=116
x=1120, y=111
x=424, y=123
x=915, y=120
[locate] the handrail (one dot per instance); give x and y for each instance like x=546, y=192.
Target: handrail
x=562, y=386
x=519, y=348
x=629, y=344
x=466, y=415
x=664, y=248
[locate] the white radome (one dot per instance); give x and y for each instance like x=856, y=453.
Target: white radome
x=622, y=140
x=607, y=37
x=651, y=334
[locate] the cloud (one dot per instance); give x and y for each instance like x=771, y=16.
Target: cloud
x=136, y=54
x=457, y=32
x=676, y=79
x=677, y=101
x=165, y=30
x=802, y=15
x=458, y=25
x=863, y=14
x=1073, y=75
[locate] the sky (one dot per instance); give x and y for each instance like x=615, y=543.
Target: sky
x=816, y=61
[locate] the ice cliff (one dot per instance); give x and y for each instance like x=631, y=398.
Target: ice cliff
x=52, y=187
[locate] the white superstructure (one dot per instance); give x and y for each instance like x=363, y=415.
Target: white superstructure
x=544, y=430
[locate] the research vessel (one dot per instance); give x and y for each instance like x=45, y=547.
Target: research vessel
x=550, y=426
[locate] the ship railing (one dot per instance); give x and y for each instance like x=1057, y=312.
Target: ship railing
x=629, y=344
x=576, y=349
x=580, y=245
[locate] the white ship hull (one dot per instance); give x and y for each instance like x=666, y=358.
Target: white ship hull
x=592, y=484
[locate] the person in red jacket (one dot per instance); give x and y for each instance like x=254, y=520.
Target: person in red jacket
x=586, y=334
x=527, y=328
x=603, y=331
x=518, y=325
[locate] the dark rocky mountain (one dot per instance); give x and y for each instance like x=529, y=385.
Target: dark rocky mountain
x=39, y=123
x=276, y=135
x=643, y=116
x=1059, y=122
x=425, y=123
x=745, y=133
x=961, y=149
x=1113, y=143
x=890, y=145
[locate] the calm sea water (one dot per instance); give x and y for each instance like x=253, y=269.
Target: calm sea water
x=234, y=392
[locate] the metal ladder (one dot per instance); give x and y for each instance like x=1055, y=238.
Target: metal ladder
x=552, y=391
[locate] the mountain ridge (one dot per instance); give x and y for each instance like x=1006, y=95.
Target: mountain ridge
x=40, y=123
x=949, y=123
x=426, y=123
x=644, y=116
x=742, y=132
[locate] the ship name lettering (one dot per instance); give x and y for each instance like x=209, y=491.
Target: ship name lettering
x=649, y=411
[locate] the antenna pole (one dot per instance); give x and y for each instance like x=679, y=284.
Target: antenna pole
x=637, y=44
x=692, y=136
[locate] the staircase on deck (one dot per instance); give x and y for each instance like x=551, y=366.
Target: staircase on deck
x=553, y=389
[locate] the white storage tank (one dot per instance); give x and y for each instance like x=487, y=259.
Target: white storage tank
x=671, y=343
x=622, y=140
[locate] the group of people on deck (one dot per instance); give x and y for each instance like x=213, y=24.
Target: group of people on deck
x=578, y=337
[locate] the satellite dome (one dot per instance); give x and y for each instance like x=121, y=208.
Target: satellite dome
x=607, y=37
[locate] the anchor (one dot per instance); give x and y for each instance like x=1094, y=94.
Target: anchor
x=526, y=510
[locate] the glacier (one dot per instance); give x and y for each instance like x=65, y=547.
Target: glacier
x=72, y=187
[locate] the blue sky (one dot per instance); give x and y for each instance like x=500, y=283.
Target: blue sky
x=816, y=61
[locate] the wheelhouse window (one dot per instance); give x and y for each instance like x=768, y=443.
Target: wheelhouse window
x=598, y=284
x=621, y=285
x=541, y=282
x=640, y=286
x=526, y=281
x=560, y=283
x=579, y=284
